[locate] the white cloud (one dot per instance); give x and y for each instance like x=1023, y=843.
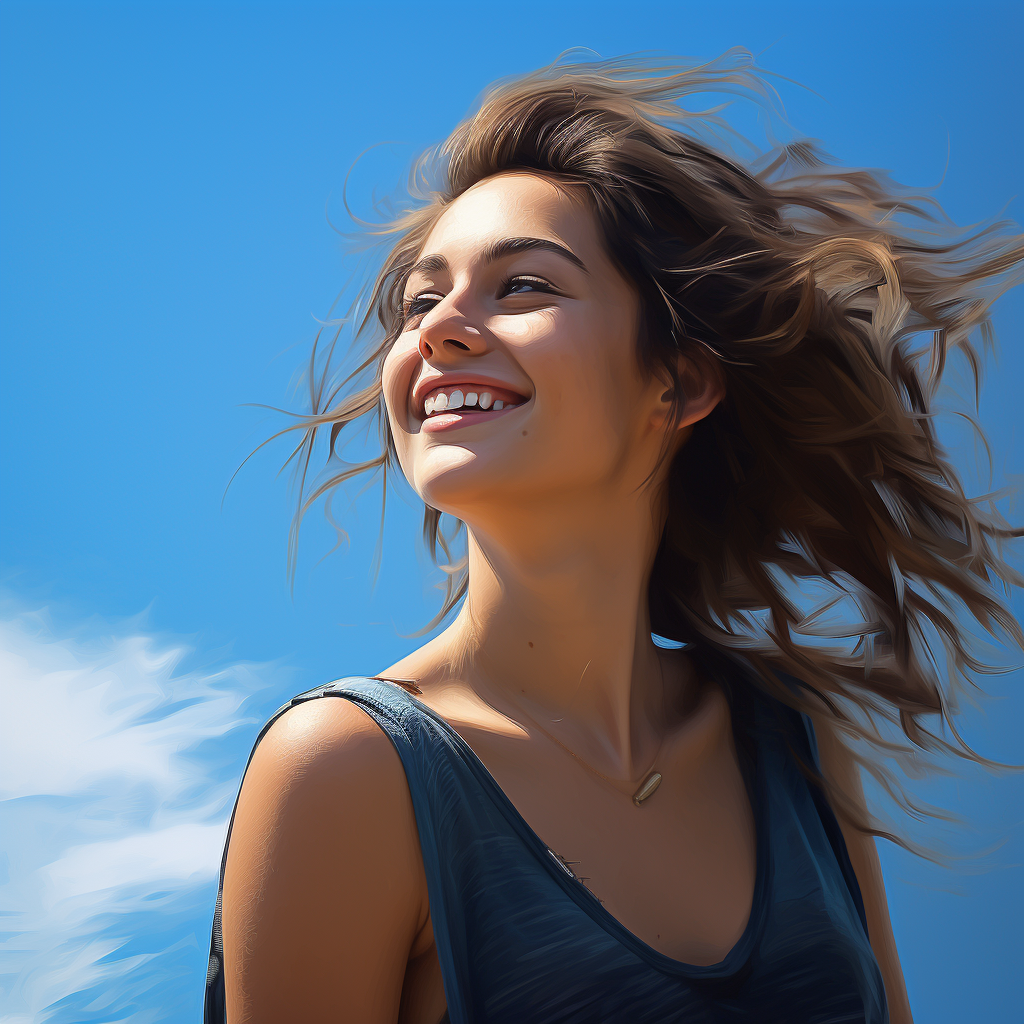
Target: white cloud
x=117, y=772
x=181, y=853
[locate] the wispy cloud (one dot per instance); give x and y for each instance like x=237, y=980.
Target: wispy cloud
x=117, y=772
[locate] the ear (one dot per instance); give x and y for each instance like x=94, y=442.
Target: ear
x=703, y=386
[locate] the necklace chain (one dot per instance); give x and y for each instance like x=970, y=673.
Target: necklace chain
x=650, y=779
x=584, y=763
x=645, y=778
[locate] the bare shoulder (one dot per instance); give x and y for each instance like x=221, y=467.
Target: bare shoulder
x=324, y=890
x=327, y=733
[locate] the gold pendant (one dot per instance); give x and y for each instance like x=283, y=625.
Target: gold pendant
x=652, y=783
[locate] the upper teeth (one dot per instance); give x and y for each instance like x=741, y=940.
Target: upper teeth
x=456, y=399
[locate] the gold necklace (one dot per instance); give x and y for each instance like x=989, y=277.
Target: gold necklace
x=652, y=779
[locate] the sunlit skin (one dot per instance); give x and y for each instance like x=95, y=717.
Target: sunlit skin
x=561, y=536
x=555, y=628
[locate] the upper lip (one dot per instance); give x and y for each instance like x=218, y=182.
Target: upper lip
x=444, y=380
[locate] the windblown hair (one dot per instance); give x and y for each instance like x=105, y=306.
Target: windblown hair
x=809, y=285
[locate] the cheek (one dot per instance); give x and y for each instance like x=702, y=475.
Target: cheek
x=585, y=424
x=396, y=382
x=585, y=374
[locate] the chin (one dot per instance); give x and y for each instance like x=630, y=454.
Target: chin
x=460, y=482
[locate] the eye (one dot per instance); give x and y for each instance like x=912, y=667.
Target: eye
x=521, y=284
x=514, y=285
x=420, y=304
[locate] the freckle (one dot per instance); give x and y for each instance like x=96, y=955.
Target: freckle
x=524, y=433
x=530, y=642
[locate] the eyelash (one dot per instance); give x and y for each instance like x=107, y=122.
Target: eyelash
x=539, y=283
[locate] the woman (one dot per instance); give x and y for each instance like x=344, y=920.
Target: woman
x=652, y=383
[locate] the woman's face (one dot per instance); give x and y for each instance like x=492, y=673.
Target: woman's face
x=514, y=303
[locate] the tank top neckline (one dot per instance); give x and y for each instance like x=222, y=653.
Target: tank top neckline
x=581, y=895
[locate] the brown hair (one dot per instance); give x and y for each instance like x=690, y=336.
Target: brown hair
x=808, y=283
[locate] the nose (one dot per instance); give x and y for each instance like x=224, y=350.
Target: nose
x=452, y=336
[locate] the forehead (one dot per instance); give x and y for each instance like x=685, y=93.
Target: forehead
x=513, y=205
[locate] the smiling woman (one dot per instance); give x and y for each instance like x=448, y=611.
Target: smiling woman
x=657, y=386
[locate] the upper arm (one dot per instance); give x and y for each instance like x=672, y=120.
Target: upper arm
x=840, y=769
x=324, y=889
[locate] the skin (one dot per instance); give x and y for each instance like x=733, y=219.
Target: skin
x=555, y=629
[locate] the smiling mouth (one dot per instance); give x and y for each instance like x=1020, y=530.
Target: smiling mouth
x=470, y=413
x=465, y=416
x=470, y=400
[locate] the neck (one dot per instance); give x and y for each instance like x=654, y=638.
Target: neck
x=556, y=624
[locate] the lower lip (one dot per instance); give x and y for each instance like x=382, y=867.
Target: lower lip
x=463, y=418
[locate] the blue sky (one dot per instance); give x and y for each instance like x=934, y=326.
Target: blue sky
x=169, y=172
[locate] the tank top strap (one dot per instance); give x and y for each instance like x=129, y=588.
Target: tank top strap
x=787, y=746
x=790, y=737
x=463, y=821
x=437, y=764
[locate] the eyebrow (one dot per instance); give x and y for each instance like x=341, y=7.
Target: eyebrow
x=500, y=250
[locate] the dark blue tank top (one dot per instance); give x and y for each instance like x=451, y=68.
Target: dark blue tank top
x=520, y=939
